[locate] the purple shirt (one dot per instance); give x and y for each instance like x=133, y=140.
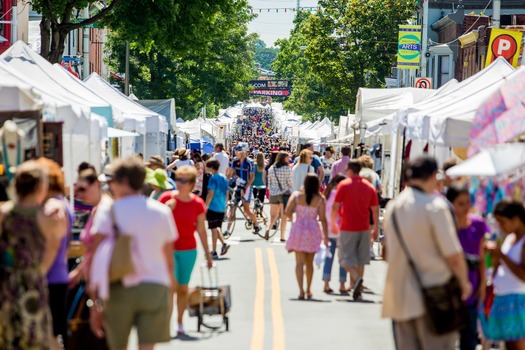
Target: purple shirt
x=339, y=166
x=470, y=239
x=58, y=273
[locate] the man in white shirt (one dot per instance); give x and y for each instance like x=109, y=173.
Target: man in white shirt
x=143, y=298
x=222, y=157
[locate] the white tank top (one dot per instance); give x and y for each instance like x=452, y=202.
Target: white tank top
x=506, y=282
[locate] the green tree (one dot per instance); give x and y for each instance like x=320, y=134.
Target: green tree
x=311, y=97
x=264, y=56
x=344, y=46
x=214, y=75
x=353, y=43
x=179, y=24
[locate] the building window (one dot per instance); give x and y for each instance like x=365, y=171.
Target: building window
x=443, y=70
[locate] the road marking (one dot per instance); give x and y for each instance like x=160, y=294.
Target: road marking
x=277, y=312
x=258, y=307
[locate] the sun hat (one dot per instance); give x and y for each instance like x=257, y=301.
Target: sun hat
x=155, y=161
x=183, y=152
x=158, y=178
x=107, y=174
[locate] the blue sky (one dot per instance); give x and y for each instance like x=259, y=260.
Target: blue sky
x=271, y=25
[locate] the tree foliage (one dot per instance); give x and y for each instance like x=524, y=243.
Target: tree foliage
x=213, y=71
x=344, y=46
x=178, y=24
x=264, y=56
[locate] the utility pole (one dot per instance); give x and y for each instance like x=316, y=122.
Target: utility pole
x=14, y=24
x=424, y=41
x=126, y=81
x=496, y=14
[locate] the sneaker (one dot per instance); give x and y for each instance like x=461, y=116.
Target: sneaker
x=180, y=330
x=256, y=230
x=214, y=255
x=226, y=234
x=357, y=288
x=224, y=249
x=372, y=254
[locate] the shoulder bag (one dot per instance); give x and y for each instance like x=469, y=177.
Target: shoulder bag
x=446, y=310
x=121, y=263
x=286, y=194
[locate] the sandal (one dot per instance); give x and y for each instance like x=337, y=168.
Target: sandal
x=300, y=297
x=328, y=290
x=309, y=296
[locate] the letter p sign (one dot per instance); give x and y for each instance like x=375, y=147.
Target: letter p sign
x=504, y=46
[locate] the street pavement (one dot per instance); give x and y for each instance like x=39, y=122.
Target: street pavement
x=266, y=313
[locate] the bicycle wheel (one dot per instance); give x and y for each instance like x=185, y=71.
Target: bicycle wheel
x=230, y=218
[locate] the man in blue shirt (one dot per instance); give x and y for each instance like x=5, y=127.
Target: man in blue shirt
x=242, y=169
x=216, y=204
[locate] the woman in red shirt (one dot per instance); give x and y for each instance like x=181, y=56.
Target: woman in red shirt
x=189, y=212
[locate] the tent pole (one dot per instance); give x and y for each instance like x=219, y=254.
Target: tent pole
x=72, y=181
x=144, y=147
x=402, y=160
x=393, y=164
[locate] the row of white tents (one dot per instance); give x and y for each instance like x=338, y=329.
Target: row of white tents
x=92, y=111
x=439, y=118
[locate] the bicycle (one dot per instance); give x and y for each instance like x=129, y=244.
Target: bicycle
x=231, y=214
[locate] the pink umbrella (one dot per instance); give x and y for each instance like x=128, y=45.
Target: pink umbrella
x=500, y=118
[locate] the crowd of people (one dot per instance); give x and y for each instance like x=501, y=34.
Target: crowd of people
x=332, y=200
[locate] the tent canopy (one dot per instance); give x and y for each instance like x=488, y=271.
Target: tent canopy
x=165, y=108
x=499, y=160
x=377, y=103
x=41, y=74
x=153, y=121
x=446, y=119
x=117, y=133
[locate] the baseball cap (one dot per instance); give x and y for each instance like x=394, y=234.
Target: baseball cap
x=242, y=147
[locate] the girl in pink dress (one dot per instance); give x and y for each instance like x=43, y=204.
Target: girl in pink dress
x=306, y=235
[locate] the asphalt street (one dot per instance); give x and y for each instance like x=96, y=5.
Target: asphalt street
x=266, y=313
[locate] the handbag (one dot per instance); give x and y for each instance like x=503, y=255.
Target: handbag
x=121, y=263
x=446, y=310
x=286, y=195
x=80, y=336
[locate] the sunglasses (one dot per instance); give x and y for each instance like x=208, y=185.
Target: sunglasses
x=182, y=180
x=81, y=189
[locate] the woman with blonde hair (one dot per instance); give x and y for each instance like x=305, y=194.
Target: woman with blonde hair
x=302, y=168
x=189, y=213
x=30, y=237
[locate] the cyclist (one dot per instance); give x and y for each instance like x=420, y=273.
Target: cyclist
x=242, y=169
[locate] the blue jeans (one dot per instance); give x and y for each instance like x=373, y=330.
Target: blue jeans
x=327, y=270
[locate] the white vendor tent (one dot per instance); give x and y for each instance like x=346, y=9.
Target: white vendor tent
x=446, y=119
x=497, y=161
x=77, y=120
x=151, y=125
x=39, y=72
x=373, y=104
